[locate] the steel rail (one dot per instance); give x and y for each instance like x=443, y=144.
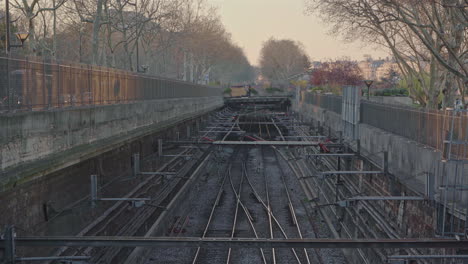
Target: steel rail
x=291, y=206
x=278, y=129
x=324, y=215
x=257, y=196
x=380, y=221
x=230, y=130
x=267, y=197
x=377, y=217
x=118, y=208
x=236, y=211
x=306, y=186
x=137, y=223
x=213, y=209
x=219, y=242
x=249, y=219
x=238, y=196
x=208, y=132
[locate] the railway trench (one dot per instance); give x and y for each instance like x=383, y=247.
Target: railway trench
x=242, y=173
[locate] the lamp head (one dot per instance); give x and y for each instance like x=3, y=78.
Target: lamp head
x=22, y=36
x=368, y=82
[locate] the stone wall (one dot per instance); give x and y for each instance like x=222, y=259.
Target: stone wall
x=33, y=144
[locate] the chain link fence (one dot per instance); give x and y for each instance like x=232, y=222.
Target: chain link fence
x=31, y=85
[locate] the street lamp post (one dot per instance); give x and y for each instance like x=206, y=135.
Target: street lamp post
x=7, y=26
x=368, y=84
x=22, y=36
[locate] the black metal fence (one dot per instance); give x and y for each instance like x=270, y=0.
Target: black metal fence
x=429, y=127
x=425, y=126
x=325, y=101
x=32, y=85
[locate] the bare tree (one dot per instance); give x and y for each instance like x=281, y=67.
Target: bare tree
x=418, y=33
x=279, y=59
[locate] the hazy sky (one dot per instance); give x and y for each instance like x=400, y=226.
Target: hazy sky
x=251, y=22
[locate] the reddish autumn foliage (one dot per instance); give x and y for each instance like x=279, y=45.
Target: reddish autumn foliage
x=336, y=73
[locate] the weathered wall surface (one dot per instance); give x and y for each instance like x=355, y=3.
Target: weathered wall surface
x=403, y=100
x=59, y=204
x=408, y=160
x=408, y=164
x=33, y=144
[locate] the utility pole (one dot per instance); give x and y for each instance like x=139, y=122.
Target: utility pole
x=137, y=38
x=7, y=27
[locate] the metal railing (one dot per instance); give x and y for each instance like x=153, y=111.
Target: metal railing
x=325, y=101
x=425, y=126
x=32, y=85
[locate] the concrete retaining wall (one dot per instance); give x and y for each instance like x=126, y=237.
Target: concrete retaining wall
x=408, y=160
x=33, y=144
x=408, y=164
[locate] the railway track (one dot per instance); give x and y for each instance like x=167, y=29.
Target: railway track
x=250, y=203
x=132, y=222
x=251, y=195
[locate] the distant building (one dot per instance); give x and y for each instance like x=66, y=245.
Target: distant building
x=377, y=69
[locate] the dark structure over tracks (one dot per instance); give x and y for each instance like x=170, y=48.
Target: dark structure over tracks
x=259, y=102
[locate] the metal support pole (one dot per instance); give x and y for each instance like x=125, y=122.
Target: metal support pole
x=160, y=147
x=338, y=179
x=136, y=164
x=178, y=135
x=385, y=162
x=7, y=25
x=430, y=183
x=188, y=132
x=137, y=39
x=65, y=259
x=94, y=190
x=358, y=147
x=10, y=247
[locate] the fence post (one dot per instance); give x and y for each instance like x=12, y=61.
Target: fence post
x=9, y=92
x=90, y=83
x=94, y=190
x=46, y=98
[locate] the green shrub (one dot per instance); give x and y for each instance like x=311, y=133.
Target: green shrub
x=392, y=92
x=316, y=89
x=273, y=90
x=253, y=91
x=227, y=91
